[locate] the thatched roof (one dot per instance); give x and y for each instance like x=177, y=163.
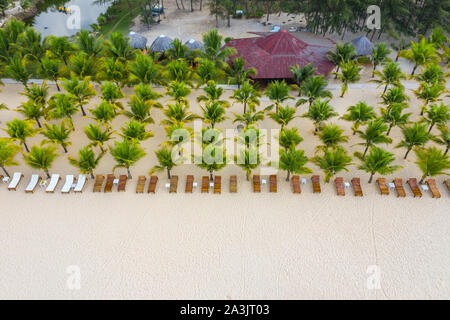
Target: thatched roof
x=193, y=44
x=161, y=44
x=363, y=46
x=137, y=41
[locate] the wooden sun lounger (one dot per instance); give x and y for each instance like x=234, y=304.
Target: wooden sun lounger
x=141, y=184
x=17, y=177
x=233, y=184
x=70, y=180
x=447, y=183
x=80, y=183
x=189, y=183
x=98, y=183
x=398, y=182
x=412, y=182
x=433, y=188
x=296, y=184
x=35, y=178
x=340, y=189
x=173, y=184
x=383, y=186
x=205, y=184
x=273, y=183
x=122, y=182
x=218, y=184
x=152, y=184
x=316, y=184
x=356, y=184
x=53, y=183
x=256, y=183
x=109, y=183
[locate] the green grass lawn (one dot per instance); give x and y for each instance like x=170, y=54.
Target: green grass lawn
x=121, y=23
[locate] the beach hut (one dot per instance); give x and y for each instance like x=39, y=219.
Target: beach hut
x=137, y=41
x=363, y=46
x=193, y=44
x=161, y=44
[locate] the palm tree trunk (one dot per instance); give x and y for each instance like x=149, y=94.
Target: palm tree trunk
x=92, y=175
x=407, y=152
x=385, y=88
x=178, y=6
x=246, y=176
x=64, y=147
x=446, y=150
x=129, y=173
x=423, y=178
x=4, y=170
x=201, y=5
x=431, y=127
x=414, y=69
x=389, y=130
x=211, y=178
x=26, y=147
x=228, y=21
x=82, y=110
x=373, y=70
x=365, y=151
x=38, y=122
x=182, y=5
x=168, y=173
x=192, y=7
x=47, y=173
x=288, y=175
x=245, y=106
x=371, y=177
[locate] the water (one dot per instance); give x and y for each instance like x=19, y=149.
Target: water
x=49, y=21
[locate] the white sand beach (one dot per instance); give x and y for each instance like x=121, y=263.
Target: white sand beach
x=228, y=246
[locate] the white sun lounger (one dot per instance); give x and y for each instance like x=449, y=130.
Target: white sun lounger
x=33, y=183
x=53, y=183
x=15, y=181
x=80, y=183
x=70, y=179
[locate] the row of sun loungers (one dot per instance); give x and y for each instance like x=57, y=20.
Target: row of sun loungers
x=77, y=184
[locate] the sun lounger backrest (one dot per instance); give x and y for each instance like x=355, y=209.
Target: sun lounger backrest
x=53, y=183
x=233, y=184
x=256, y=183
x=68, y=184
x=33, y=183
x=98, y=183
x=273, y=183
x=398, y=182
x=141, y=184
x=316, y=184
x=218, y=184
x=189, y=184
x=412, y=182
x=80, y=183
x=356, y=184
x=122, y=183
x=384, y=190
x=296, y=184
x=433, y=188
x=109, y=183
x=205, y=184
x=173, y=184
x=152, y=184
x=17, y=177
x=339, y=181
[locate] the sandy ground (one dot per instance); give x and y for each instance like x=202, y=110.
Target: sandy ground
x=228, y=246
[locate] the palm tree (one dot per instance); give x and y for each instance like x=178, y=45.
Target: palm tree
x=178, y=91
x=212, y=41
x=247, y=95
x=283, y=116
x=145, y=70
x=331, y=136
x=237, y=73
x=82, y=91
x=277, y=91
x=135, y=130
x=57, y=134
x=374, y=134
x=420, y=53
x=179, y=70
x=118, y=48
x=18, y=69
x=41, y=158
x=414, y=136
x=145, y=92
x=429, y=93
x=114, y=70
x=97, y=135
x=62, y=106
x=32, y=110
x=332, y=161
x=20, y=130
x=50, y=70
x=394, y=95
x=349, y=74
x=377, y=161
x=248, y=159
x=37, y=93
x=342, y=54
x=319, y=112
x=360, y=114
x=88, y=43
x=126, y=154
x=8, y=151
x=249, y=119
x=394, y=116
x=61, y=48
x=178, y=50
x=301, y=74
x=213, y=93
x=314, y=88
x=111, y=93
x=437, y=114
x=289, y=138
x=293, y=161
x=140, y=110
x=166, y=161
x=82, y=65
x=177, y=113
x=432, y=162
x=31, y=44
x=432, y=74
x=206, y=71
x=402, y=45
x=104, y=113
x=443, y=138
x=213, y=158
x=88, y=161
x=379, y=55
x=391, y=75
x=213, y=112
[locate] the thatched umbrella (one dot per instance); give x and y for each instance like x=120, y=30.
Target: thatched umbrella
x=161, y=44
x=137, y=41
x=363, y=46
x=193, y=44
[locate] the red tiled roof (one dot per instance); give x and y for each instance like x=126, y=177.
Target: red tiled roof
x=272, y=55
